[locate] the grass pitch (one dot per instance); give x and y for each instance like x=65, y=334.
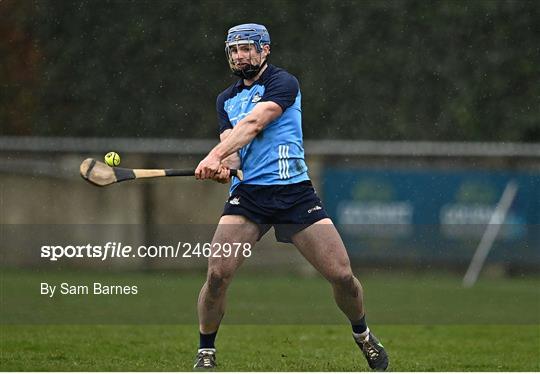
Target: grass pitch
x=267, y=348
x=426, y=322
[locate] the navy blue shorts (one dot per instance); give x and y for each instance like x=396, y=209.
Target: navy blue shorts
x=289, y=208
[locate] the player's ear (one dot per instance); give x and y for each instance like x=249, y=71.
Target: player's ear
x=266, y=50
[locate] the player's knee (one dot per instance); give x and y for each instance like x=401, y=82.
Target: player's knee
x=218, y=279
x=341, y=278
x=344, y=280
x=340, y=273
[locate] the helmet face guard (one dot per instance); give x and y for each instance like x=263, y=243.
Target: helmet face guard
x=250, y=34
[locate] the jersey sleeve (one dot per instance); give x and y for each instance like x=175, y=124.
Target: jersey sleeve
x=223, y=117
x=282, y=89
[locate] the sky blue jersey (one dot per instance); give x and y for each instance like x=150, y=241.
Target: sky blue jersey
x=276, y=155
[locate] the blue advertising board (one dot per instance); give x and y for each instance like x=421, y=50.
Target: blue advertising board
x=432, y=214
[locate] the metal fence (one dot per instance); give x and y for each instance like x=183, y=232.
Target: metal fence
x=369, y=188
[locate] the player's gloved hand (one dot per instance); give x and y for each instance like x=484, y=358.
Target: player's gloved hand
x=208, y=167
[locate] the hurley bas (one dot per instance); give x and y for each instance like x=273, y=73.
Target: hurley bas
x=95, y=289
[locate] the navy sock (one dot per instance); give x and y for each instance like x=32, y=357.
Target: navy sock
x=207, y=340
x=359, y=326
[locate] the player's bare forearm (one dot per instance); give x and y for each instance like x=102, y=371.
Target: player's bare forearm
x=233, y=160
x=247, y=129
x=230, y=162
x=243, y=133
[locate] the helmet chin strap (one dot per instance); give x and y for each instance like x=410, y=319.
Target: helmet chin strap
x=250, y=71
